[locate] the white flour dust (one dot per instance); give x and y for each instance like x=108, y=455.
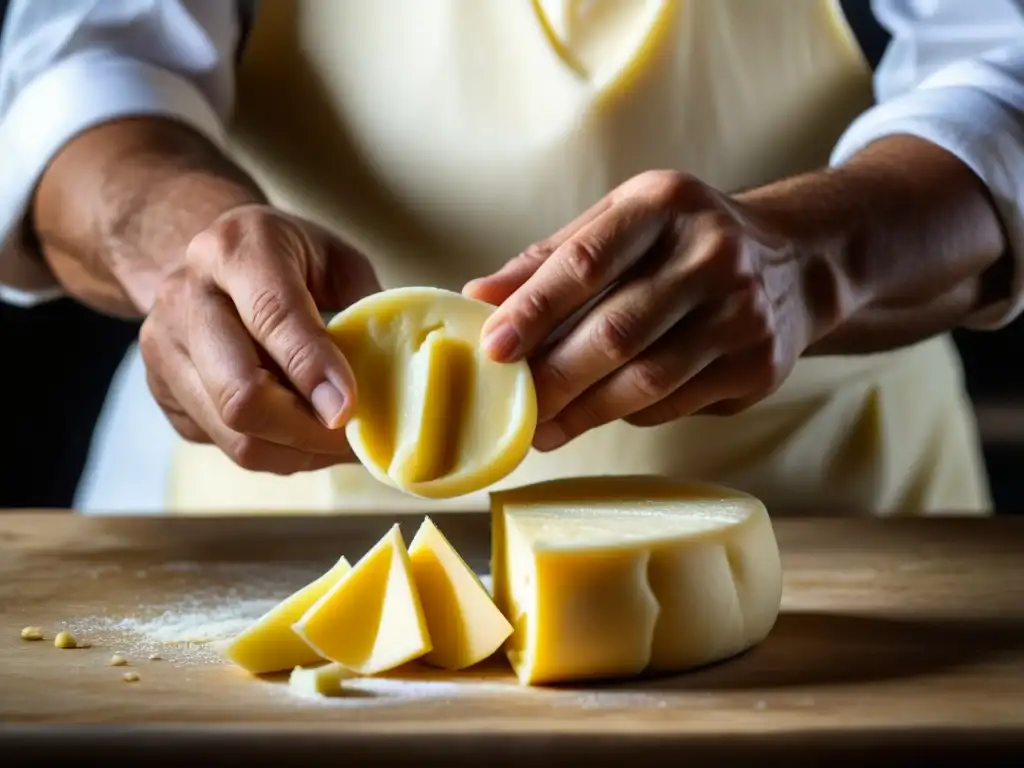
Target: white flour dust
x=221, y=601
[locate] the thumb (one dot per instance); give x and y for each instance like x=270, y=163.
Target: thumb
x=269, y=292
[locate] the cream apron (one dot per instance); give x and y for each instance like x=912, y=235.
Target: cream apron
x=443, y=136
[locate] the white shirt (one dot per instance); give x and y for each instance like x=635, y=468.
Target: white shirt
x=953, y=74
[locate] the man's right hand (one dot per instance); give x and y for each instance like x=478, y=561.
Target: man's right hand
x=236, y=351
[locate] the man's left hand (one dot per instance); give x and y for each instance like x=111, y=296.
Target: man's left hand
x=706, y=311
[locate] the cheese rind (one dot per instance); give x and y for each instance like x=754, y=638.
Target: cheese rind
x=613, y=576
x=270, y=644
x=434, y=417
x=465, y=625
x=372, y=620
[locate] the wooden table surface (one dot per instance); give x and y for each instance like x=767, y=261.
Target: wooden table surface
x=898, y=637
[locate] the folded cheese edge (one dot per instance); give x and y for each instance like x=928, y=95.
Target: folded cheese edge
x=434, y=416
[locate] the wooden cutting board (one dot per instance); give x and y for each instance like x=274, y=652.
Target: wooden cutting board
x=905, y=636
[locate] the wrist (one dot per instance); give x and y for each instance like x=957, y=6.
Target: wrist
x=118, y=206
x=816, y=220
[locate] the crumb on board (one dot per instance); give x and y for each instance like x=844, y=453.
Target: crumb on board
x=117, y=660
x=130, y=677
x=31, y=633
x=65, y=640
x=155, y=657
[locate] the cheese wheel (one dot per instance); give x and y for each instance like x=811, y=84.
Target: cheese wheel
x=435, y=417
x=614, y=576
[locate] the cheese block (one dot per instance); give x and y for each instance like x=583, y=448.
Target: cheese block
x=371, y=621
x=270, y=644
x=464, y=623
x=613, y=576
x=434, y=417
x=321, y=680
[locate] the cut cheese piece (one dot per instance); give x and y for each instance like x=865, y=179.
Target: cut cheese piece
x=613, y=576
x=434, y=416
x=270, y=644
x=322, y=680
x=371, y=621
x=464, y=623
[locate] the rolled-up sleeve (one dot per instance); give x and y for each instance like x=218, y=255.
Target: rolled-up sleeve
x=69, y=65
x=956, y=79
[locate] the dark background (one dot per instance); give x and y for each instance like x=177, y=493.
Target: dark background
x=59, y=359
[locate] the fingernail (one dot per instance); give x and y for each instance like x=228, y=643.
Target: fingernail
x=502, y=343
x=548, y=436
x=329, y=403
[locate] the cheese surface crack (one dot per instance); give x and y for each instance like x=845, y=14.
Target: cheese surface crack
x=434, y=416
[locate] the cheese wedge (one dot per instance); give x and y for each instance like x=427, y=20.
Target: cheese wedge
x=613, y=576
x=435, y=417
x=464, y=623
x=321, y=680
x=270, y=644
x=371, y=621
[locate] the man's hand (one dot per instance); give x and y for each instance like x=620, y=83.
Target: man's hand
x=707, y=309
x=235, y=349
x=695, y=302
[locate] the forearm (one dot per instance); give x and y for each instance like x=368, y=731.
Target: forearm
x=901, y=243
x=116, y=209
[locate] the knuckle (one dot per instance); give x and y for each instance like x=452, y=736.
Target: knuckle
x=534, y=309
x=247, y=452
x=651, y=417
x=583, y=264
x=536, y=253
x=652, y=380
x=240, y=405
x=555, y=384
x=267, y=313
x=680, y=192
x=149, y=342
x=223, y=239
x=301, y=361
x=187, y=428
x=768, y=369
x=758, y=315
x=675, y=188
x=614, y=335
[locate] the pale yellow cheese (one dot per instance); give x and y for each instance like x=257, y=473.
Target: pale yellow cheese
x=321, y=680
x=371, y=621
x=613, y=576
x=464, y=623
x=270, y=644
x=434, y=416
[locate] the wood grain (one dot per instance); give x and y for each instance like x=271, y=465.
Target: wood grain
x=902, y=637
